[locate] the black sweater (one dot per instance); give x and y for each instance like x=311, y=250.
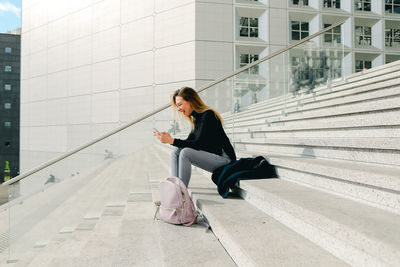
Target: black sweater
x=207, y=135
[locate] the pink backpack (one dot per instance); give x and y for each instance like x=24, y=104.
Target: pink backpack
x=176, y=206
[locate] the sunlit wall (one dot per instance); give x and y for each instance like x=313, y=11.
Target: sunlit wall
x=89, y=66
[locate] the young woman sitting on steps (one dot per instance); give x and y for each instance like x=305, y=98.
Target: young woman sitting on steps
x=207, y=145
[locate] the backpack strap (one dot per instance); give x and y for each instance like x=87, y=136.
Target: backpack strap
x=204, y=221
x=192, y=222
x=158, y=204
x=198, y=214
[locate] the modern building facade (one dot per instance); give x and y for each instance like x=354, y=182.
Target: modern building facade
x=369, y=37
x=10, y=48
x=90, y=66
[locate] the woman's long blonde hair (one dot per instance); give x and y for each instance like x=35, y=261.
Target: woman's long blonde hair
x=190, y=95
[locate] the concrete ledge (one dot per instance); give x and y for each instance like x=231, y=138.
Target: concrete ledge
x=355, y=120
x=376, y=156
x=356, y=108
x=338, y=91
x=356, y=233
x=361, y=143
x=314, y=104
x=391, y=131
x=294, y=104
x=251, y=237
x=371, y=184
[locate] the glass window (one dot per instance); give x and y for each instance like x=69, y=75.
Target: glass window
x=363, y=65
x=392, y=37
x=247, y=59
x=392, y=6
x=299, y=2
x=8, y=50
x=331, y=3
x=7, y=124
x=363, y=35
x=7, y=68
x=248, y=27
x=334, y=35
x=7, y=105
x=7, y=87
x=362, y=5
x=300, y=30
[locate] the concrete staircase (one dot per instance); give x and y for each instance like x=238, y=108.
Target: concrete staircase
x=337, y=154
x=343, y=140
x=336, y=202
x=108, y=221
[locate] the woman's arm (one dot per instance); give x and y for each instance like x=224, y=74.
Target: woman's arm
x=166, y=138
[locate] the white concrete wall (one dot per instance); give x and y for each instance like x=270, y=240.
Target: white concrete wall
x=89, y=66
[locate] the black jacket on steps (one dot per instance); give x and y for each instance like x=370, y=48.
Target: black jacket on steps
x=227, y=176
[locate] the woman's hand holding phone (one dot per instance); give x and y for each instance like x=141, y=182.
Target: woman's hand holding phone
x=164, y=137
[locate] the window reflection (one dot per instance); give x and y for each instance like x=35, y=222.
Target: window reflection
x=248, y=27
x=300, y=30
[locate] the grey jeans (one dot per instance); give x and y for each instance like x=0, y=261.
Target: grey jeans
x=183, y=158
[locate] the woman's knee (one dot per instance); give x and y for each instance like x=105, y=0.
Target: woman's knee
x=186, y=153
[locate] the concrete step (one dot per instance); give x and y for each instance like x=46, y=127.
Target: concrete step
x=370, y=184
x=37, y=217
x=372, y=150
x=364, y=132
x=338, y=121
x=370, y=143
x=376, y=156
x=365, y=85
x=374, y=105
x=356, y=233
x=374, y=72
x=251, y=237
x=342, y=91
x=64, y=209
x=68, y=207
x=319, y=103
x=124, y=234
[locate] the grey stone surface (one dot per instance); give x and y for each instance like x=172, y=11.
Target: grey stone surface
x=346, y=228
x=341, y=93
x=252, y=237
x=392, y=131
x=390, y=157
x=113, y=211
x=115, y=204
x=385, y=118
x=375, y=72
x=380, y=143
x=86, y=225
x=124, y=233
x=357, y=95
x=354, y=109
x=376, y=185
x=140, y=197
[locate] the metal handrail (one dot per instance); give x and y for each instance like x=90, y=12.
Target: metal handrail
x=120, y=128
